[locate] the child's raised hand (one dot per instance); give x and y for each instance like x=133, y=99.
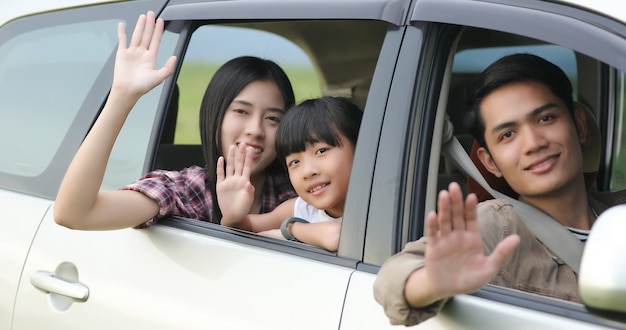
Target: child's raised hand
x=235, y=192
x=135, y=65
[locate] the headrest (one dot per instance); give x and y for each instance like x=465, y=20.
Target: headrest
x=591, y=162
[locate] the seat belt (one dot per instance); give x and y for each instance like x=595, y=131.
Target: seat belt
x=548, y=231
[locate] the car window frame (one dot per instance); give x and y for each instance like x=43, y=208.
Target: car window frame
x=182, y=16
x=427, y=16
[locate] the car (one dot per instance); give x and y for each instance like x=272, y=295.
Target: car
x=406, y=63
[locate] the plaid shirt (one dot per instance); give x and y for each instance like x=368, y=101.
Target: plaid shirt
x=184, y=193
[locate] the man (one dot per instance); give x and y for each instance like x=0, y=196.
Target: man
x=531, y=134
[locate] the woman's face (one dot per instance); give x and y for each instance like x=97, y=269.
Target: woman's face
x=252, y=118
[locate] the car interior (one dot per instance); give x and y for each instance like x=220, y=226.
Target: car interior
x=504, y=43
x=343, y=53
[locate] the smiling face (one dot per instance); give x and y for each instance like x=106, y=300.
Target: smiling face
x=320, y=174
x=533, y=142
x=252, y=118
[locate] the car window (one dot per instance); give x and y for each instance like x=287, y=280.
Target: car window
x=320, y=57
x=128, y=156
x=618, y=166
x=317, y=59
x=471, y=60
x=213, y=45
x=44, y=79
x=476, y=49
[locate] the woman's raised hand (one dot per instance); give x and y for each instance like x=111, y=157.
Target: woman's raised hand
x=135, y=64
x=235, y=192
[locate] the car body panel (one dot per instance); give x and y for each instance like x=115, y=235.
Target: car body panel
x=19, y=221
x=188, y=274
x=174, y=278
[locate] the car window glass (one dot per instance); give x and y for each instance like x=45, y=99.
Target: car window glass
x=475, y=60
x=319, y=57
x=213, y=45
x=45, y=75
x=618, y=175
x=471, y=60
x=128, y=156
x=476, y=51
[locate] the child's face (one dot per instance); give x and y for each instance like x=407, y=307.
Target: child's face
x=252, y=118
x=320, y=175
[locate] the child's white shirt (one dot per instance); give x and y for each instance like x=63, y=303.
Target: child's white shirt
x=306, y=211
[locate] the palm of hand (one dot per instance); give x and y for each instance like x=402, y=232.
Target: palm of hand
x=135, y=65
x=455, y=258
x=458, y=264
x=235, y=192
x=235, y=195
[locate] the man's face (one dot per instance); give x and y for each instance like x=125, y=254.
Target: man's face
x=533, y=142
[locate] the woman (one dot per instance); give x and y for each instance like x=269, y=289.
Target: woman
x=243, y=105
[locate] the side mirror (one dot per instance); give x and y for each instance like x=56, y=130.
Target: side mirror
x=602, y=278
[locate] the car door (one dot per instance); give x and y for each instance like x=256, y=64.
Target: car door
x=189, y=274
x=51, y=88
x=36, y=113
x=409, y=168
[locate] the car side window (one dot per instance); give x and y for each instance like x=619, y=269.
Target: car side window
x=469, y=61
x=212, y=45
x=618, y=166
x=126, y=164
x=320, y=58
x=45, y=76
x=295, y=45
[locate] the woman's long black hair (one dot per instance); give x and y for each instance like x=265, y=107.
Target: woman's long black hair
x=226, y=84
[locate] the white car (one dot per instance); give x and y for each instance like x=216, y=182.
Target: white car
x=405, y=62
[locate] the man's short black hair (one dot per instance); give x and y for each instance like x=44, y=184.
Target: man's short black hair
x=512, y=69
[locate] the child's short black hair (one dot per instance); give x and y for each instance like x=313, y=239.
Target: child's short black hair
x=317, y=120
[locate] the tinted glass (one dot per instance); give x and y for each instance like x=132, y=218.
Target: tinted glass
x=45, y=76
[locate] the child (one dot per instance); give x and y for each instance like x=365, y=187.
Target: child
x=316, y=139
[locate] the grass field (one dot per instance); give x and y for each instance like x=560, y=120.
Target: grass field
x=194, y=78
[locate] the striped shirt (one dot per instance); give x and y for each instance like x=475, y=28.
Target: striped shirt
x=581, y=234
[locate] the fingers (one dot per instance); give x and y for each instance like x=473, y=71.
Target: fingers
x=121, y=36
x=431, y=227
x=503, y=250
x=239, y=160
x=471, y=213
x=457, y=207
x=135, y=40
x=444, y=213
x=147, y=34
x=230, y=160
x=168, y=67
x=453, y=213
x=157, y=34
x=220, y=169
x=247, y=165
x=149, y=31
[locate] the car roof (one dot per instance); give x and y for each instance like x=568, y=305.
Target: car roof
x=610, y=8
x=14, y=9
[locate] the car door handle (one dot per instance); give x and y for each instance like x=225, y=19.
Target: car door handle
x=49, y=283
